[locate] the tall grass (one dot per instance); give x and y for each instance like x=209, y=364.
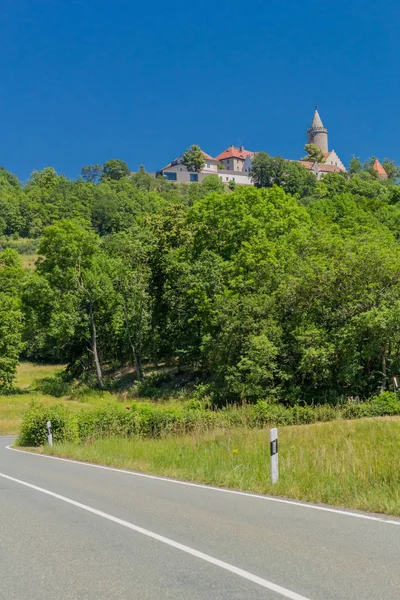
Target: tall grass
x=348, y=463
x=29, y=374
x=27, y=388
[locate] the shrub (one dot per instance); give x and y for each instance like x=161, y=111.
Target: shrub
x=54, y=386
x=385, y=404
x=105, y=421
x=326, y=412
x=303, y=415
x=34, y=430
x=357, y=411
x=380, y=406
x=145, y=419
x=273, y=414
x=194, y=404
x=152, y=421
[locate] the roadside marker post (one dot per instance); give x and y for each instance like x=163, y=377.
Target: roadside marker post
x=49, y=433
x=273, y=445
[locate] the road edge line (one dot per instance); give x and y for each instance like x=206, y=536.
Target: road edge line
x=265, y=497
x=265, y=583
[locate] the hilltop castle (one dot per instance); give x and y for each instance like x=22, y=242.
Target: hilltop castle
x=234, y=164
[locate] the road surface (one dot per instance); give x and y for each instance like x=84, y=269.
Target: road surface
x=70, y=531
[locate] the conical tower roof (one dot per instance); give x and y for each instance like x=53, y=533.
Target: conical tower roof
x=317, y=121
x=379, y=169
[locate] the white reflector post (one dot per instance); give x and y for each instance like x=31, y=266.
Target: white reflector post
x=273, y=439
x=49, y=433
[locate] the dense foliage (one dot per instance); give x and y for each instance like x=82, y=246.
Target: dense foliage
x=149, y=420
x=289, y=291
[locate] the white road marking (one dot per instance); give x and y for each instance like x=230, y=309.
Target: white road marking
x=164, y=540
x=337, y=511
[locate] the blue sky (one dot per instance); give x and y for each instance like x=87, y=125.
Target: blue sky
x=83, y=81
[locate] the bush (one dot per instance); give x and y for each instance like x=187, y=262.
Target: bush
x=380, y=406
x=357, y=411
x=106, y=421
x=385, y=404
x=154, y=421
x=304, y=415
x=145, y=419
x=54, y=386
x=326, y=412
x=34, y=430
x=263, y=413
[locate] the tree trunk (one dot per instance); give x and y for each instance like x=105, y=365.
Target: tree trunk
x=135, y=354
x=384, y=370
x=94, y=349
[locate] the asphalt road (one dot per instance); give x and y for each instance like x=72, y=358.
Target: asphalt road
x=74, y=531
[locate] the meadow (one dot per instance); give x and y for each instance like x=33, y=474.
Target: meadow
x=353, y=464
x=30, y=380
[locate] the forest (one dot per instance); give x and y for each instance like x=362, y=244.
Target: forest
x=287, y=292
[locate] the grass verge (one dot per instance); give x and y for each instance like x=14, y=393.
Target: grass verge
x=344, y=463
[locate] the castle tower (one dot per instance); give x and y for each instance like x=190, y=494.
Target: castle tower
x=318, y=134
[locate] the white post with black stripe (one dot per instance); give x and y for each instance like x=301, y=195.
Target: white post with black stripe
x=273, y=445
x=49, y=433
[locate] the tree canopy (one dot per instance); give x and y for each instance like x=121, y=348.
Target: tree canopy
x=193, y=159
x=314, y=154
x=286, y=291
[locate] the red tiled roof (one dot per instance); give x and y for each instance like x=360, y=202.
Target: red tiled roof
x=233, y=152
x=208, y=157
x=379, y=169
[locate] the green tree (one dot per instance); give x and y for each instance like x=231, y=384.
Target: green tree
x=193, y=159
x=355, y=165
x=314, y=154
x=131, y=276
x=211, y=183
x=298, y=181
x=46, y=178
x=142, y=180
x=392, y=170
x=91, y=173
x=114, y=169
x=267, y=171
x=368, y=167
x=260, y=170
x=11, y=316
x=78, y=275
x=9, y=177
x=11, y=345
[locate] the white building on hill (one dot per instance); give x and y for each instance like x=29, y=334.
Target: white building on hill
x=176, y=171
x=236, y=162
